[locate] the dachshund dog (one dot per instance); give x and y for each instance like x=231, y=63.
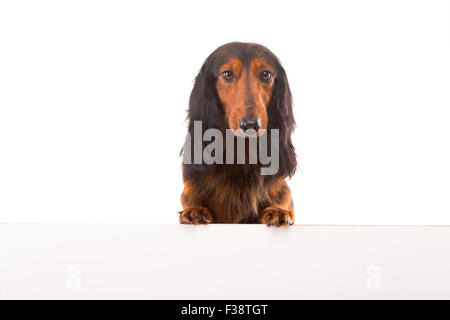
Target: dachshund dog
x=240, y=86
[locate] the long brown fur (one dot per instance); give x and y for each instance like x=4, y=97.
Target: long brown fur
x=238, y=193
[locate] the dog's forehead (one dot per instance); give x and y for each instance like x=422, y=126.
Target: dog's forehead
x=244, y=52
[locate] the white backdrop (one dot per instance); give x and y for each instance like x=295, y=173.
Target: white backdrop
x=93, y=93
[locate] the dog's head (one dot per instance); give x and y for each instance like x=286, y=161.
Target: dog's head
x=244, y=86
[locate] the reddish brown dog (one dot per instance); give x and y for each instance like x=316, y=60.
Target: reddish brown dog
x=240, y=85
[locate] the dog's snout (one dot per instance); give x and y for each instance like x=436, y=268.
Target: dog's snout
x=250, y=123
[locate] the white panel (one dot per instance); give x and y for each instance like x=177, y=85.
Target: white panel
x=223, y=261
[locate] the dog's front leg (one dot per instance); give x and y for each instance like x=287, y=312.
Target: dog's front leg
x=193, y=212
x=281, y=211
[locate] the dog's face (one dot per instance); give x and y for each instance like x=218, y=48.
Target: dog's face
x=245, y=91
x=244, y=86
x=243, y=77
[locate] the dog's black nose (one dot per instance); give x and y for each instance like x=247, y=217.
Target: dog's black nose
x=250, y=123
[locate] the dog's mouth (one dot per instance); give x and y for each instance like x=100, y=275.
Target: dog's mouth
x=249, y=133
x=248, y=127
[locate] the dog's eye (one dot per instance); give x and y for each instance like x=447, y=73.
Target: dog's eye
x=265, y=76
x=228, y=75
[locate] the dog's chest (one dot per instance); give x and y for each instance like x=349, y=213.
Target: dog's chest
x=234, y=199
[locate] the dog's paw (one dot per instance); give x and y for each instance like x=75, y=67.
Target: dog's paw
x=274, y=216
x=199, y=215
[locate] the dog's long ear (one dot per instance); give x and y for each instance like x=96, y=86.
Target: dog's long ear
x=281, y=117
x=203, y=102
x=204, y=106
